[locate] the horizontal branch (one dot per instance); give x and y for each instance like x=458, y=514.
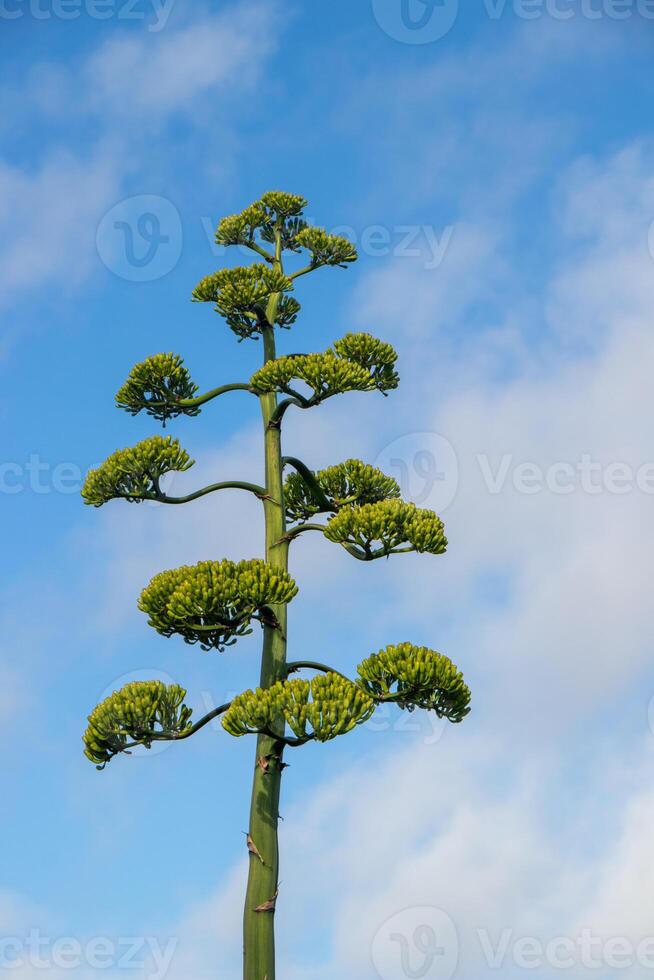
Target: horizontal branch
x=162, y=498
x=200, y=399
x=180, y=736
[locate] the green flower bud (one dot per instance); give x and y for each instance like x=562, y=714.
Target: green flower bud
x=282, y=205
x=372, y=354
x=136, y=713
x=327, y=249
x=241, y=294
x=213, y=603
x=134, y=473
x=156, y=386
x=351, y=482
x=327, y=706
x=358, y=362
x=385, y=527
x=416, y=677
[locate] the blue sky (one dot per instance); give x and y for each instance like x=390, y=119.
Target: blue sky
x=497, y=178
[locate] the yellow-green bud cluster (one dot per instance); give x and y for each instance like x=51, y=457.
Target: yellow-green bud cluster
x=213, y=603
x=241, y=294
x=134, y=714
x=327, y=706
x=389, y=525
x=134, y=473
x=280, y=204
x=326, y=249
x=376, y=356
x=156, y=386
x=351, y=482
x=240, y=229
x=416, y=677
x=330, y=373
x=276, y=211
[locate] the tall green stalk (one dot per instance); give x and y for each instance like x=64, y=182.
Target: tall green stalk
x=263, y=878
x=214, y=603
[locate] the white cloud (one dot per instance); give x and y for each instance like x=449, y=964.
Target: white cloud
x=154, y=75
x=49, y=219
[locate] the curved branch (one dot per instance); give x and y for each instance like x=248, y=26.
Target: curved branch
x=201, y=399
x=284, y=740
x=180, y=736
x=305, y=270
x=163, y=498
x=280, y=411
x=312, y=665
x=309, y=478
x=260, y=250
x=294, y=532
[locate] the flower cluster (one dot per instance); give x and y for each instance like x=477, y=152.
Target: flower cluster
x=240, y=295
x=392, y=525
x=376, y=356
x=326, y=249
x=327, y=706
x=156, y=386
x=351, y=366
x=134, y=473
x=348, y=483
x=136, y=713
x=275, y=211
x=213, y=603
x=416, y=677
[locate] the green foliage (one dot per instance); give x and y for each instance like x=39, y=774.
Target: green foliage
x=134, y=473
x=241, y=229
x=351, y=482
x=377, y=357
x=240, y=295
x=213, y=603
x=327, y=706
x=393, y=524
x=326, y=249
x=351, y=366
x=156, y=386
x=416, y=677
x=136, y=713
x=281, y=205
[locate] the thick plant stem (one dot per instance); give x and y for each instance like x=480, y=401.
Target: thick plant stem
x=263, y=881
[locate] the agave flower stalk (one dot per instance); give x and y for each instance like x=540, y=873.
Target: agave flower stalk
x=216, y=602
